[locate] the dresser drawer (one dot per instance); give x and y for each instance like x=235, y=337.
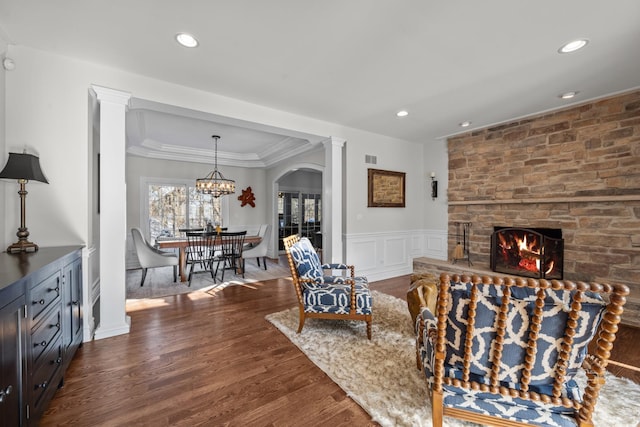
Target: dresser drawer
x=45, y=371
x=46, y=333
x=43, y=295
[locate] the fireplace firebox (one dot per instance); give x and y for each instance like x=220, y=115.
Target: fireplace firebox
x=528, y=252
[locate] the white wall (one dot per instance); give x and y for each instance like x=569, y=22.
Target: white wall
x=382, y=242
x=305, y=181
x=396, y=156
x=47, y=111
x=436, y=159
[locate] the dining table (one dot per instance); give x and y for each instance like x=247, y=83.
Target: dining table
x=181, y=244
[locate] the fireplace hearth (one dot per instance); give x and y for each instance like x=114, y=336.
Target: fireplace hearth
x=528, y=252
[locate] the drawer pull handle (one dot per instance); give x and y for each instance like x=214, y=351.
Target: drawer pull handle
x=57, y=325
x=41, y=302
x=43, y=385
x=43, y=343
x=59, y=360
x=74, y=302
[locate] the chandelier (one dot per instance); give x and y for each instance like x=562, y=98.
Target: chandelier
x=214, y=183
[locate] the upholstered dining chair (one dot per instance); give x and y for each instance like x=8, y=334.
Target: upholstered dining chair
x=150, y=257
x=325, y=296
x=258, y=251
x=201, y=252
x=505, y=351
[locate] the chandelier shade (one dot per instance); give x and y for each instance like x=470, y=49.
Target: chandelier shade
x=215, y=183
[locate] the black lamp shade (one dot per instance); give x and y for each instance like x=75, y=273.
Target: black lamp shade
x=23, y=166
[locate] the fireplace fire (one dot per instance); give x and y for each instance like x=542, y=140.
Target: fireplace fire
x=529, y=252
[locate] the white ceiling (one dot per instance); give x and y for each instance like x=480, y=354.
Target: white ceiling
x=353, y=62
x=168, y=132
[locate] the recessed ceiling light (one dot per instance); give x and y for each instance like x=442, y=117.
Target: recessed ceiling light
x=568, y=95
x=572, y=46
x=465, y=124
x=186, y=40
x=402, y=113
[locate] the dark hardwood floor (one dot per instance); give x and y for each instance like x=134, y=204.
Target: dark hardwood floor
x=199, y=359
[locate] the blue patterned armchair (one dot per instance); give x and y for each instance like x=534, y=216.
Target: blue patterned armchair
x=326, y=296
x=502, y=351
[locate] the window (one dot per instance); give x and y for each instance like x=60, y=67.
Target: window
x=170, y=205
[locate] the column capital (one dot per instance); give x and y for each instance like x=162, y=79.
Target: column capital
x=335, y=141
x=111, y=95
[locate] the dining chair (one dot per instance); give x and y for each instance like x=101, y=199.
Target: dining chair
x=259, y=250
x=150, y=257
x=231, y=245
x=202, y=252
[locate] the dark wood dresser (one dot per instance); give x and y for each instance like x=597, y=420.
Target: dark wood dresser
x=40, y=328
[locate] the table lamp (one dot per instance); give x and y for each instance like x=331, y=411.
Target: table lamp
x=23, y=167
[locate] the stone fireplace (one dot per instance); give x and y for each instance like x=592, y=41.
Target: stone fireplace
x=577, y=170
x=527, y=252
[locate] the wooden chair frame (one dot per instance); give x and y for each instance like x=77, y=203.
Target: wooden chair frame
x=201, y=250
x=298, y=285
x=231, y=246
x=594, y=364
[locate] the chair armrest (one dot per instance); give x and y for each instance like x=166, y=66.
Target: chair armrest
x=422, y=293
x=336, y=280
x=335, y=266
x=428, y=295
x=351, y=268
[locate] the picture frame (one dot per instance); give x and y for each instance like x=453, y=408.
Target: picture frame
x=386, y=189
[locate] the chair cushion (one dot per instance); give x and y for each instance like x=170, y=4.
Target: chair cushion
x=336, y=298
x=306, y=260
x=509, y=408
x=519, y=313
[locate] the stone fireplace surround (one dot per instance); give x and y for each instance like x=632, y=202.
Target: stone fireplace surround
x=577, y=169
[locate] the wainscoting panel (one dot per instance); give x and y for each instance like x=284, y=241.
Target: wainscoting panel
x=435, y=244
x=385, y=255
x=395, y=251
x=363, y=253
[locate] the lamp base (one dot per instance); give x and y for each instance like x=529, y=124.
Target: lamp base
x=22, y=246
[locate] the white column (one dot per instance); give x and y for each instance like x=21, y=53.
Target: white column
x=332, y=200
x=113, y=209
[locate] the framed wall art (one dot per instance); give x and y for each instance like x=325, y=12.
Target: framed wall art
x=386, y=189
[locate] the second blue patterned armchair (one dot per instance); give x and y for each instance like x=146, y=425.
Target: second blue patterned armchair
x=506, y=351
x=325, y=296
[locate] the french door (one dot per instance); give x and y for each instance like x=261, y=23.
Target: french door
x=300, y=213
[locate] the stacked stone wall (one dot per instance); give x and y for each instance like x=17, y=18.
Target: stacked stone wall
x=576, y=169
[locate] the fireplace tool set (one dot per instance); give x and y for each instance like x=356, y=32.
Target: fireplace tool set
x=461, y=251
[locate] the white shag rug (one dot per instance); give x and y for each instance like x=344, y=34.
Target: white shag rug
x=159, y=281
x=381, y=374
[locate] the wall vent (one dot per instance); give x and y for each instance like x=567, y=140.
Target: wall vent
x=372, y=160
